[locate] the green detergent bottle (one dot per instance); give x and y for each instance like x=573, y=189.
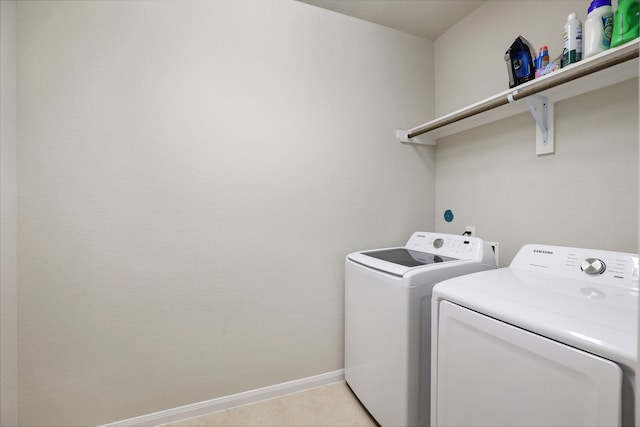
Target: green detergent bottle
x=625, y=22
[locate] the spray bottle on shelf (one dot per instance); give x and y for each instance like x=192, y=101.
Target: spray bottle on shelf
x=544, y=56
x=542, y=60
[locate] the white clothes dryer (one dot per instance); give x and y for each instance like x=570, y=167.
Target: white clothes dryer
x=388, y=316
x=548, y=341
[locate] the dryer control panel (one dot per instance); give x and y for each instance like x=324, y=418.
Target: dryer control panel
x=607, y=267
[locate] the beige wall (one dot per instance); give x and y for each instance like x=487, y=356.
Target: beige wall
x=584, y=195
x=8, y=212
x=191, y=176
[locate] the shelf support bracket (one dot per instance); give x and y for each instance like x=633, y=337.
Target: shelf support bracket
x=544, y=122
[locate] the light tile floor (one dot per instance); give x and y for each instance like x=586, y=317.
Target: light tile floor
x=330, y=405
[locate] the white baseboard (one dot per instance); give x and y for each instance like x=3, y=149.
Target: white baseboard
x=226, y=402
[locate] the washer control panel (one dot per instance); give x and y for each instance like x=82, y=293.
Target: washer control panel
x=451, y=245
x=607, y=267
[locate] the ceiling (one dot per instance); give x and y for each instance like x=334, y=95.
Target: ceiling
x=424, y=18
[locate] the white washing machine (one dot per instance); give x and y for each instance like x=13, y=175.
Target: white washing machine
x=548, y=341
x=388, y=316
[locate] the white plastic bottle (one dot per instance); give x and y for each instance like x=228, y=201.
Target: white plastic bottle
x=598, y=27
x=572, y=40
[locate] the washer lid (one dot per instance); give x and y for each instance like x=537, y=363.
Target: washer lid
x=407, y=257
x=398, y=261
x=423, y=249
x=598, y=317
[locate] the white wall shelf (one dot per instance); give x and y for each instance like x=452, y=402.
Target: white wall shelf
x=607, y=68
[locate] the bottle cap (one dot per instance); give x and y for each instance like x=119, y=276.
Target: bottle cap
x=572, y=16
x=598, y=3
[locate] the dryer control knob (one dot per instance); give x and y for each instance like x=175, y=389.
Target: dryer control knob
x=593, y=266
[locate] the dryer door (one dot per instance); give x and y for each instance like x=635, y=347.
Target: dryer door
x=490, y=373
